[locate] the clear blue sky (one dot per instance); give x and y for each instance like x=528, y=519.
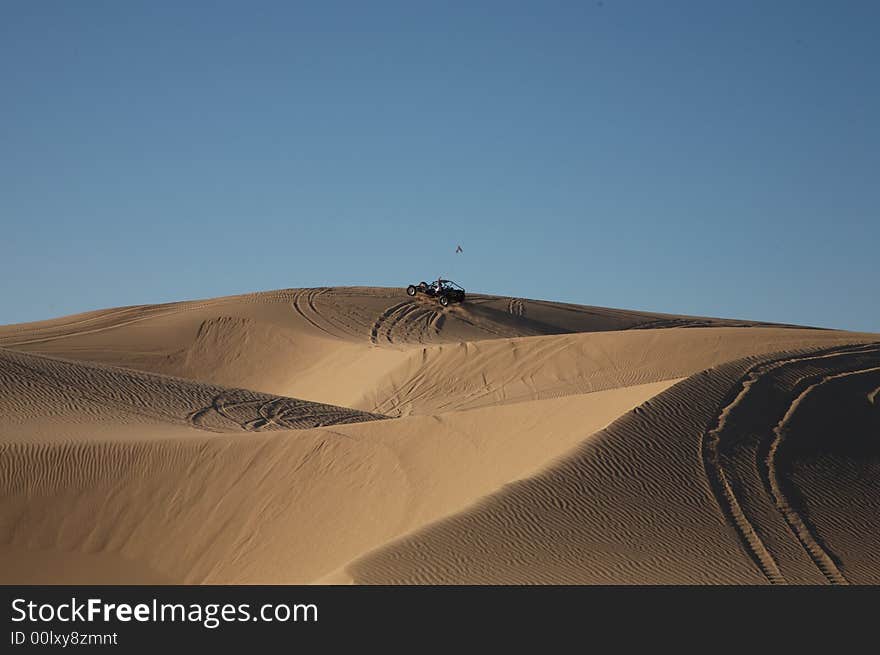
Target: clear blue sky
x=705, y=157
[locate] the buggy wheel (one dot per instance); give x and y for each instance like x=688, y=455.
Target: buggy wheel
x=444, y=301
x=423, y=286
x=410, y=290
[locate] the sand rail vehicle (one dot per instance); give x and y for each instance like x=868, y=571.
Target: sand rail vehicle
x=445, y=291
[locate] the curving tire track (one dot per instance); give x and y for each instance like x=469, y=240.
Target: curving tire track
x=406, y=322
x=798, y=525
x=385, y=321
x=304, y=303
x=438, y=320
x=782, y=373
x=252, y=412
x=727, y=500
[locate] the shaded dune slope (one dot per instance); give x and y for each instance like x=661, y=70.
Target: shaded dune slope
x=45, y=397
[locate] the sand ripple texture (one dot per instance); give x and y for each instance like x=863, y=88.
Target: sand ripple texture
x=45, y=390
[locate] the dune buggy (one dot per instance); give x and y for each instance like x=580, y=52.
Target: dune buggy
x=445, y=291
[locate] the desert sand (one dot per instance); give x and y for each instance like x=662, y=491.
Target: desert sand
x=357, y=435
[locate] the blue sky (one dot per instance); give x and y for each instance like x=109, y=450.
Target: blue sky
x=704, y=157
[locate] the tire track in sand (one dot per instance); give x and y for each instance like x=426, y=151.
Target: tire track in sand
x=390, y=315
x=798, y=525
x=724, y=493
x=304, y=304
x=724, y=489
x=239, y=409
x=406, y=322
x=305, y=307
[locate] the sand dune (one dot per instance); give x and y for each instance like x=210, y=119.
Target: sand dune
x=659, y=498
x=359, y=435
x=49, y=397
x=275, y=506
